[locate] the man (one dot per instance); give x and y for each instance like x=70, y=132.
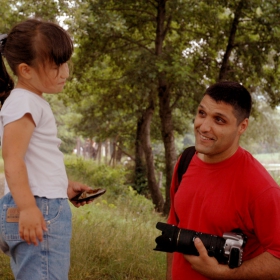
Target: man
x=225, y=188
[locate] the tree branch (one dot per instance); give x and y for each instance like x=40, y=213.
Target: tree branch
x=133, y=42
x=132, y=10
x=231, y=39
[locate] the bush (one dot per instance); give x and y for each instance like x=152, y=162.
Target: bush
x=110, y=242
x=97, y=176
x=113, y=238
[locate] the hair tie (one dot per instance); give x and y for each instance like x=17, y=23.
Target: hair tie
x=3, y=38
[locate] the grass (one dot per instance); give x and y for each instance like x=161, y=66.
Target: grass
x=5, y=270
x=112, y=242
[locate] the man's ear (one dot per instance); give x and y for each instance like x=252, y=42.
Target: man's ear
x=24, y=71
x=243, y=126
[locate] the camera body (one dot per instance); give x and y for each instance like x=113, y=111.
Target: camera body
x=227, y=249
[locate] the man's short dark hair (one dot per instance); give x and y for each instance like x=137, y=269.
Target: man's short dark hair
x=234, y=94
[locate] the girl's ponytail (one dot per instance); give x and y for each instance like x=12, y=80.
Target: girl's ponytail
x=6, y=82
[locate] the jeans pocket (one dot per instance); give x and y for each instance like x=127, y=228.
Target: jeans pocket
x=9, y=229
x=54, y=210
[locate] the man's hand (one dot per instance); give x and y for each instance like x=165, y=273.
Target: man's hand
x=264, y=266
x=75, y=188
x=205, y=265
x=32, y=225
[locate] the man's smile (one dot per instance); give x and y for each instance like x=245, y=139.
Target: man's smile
x=203, y=137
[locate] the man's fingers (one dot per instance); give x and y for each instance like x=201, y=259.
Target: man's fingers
x=200, y=247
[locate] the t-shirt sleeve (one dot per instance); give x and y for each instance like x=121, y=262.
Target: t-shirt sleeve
x=266, y=219
x=17, y=108
x=172, y=218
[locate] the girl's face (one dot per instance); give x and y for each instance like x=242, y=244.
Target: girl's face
x=52, y=78
x=48, y=79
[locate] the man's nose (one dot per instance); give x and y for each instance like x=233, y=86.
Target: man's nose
x=205, y=125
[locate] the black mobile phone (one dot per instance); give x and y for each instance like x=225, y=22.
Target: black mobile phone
x=85, y=196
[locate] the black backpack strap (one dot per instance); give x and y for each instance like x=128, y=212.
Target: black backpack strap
x=184, y=162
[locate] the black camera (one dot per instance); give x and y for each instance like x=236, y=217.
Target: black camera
x=227, y=249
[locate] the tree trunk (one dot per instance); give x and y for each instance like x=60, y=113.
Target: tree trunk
x=156, y=195
x=118, y=153
x=168, y=138
x=78, y=146
x=113, y=156
x=140, y=171
x=230, y=45
x=106, y=151
x=99, y=152
x=165, y=110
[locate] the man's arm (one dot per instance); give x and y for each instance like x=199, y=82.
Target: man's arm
x=169, y=258
x=264, y=266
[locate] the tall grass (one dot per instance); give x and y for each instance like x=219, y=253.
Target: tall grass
x=5, y=270
x=113, y=238
x=110, y=242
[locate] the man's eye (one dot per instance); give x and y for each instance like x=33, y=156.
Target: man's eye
x=200, y=112
x=220, y=120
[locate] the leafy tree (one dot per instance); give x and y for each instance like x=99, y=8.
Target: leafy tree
x=131, y=34
x=129, y=61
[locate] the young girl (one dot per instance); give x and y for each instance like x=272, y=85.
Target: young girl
x=35, y=216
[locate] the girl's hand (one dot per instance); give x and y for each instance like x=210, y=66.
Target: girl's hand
x=32, y=225
x=75, y=188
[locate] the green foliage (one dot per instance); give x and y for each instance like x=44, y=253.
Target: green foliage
x=116, y=241
x=116, y=64
x=63, y=115
x=113, y=238
x=122, y=67
x=14, y=11
x=97, y=176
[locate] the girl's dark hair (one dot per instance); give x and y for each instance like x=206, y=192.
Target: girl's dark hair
x=34, y=42
x=233, y=94
x=6, y=82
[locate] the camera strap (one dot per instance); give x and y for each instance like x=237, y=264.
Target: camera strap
x=184, y=162
x=183, y=165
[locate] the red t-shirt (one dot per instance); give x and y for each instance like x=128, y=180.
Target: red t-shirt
x=217, y=198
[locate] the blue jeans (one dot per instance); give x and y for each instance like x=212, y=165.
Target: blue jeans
x=50, y=260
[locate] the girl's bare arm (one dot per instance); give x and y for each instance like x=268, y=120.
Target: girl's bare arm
x=16, y=138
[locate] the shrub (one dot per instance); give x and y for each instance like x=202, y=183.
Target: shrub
x=113, y=238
